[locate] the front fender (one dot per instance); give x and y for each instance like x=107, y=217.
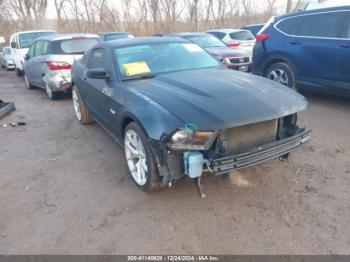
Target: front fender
x=157, y=122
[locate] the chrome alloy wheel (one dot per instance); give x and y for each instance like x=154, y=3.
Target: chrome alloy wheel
x=280, y=76
x=76, y=105
x=136, y=157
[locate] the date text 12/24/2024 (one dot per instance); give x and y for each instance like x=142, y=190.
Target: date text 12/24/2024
x=173, y=258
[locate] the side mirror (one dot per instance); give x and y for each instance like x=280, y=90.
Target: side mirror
x=26, y=57
x=13, y=44
x=97, y=73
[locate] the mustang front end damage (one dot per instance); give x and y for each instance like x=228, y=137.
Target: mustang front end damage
x=190, y=151
x=230, y=162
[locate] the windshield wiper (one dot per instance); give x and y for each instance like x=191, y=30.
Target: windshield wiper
x=146, y=76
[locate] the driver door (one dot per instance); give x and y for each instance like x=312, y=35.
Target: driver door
x=97, y=90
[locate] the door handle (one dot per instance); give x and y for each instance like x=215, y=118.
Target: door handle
x=295, y=43
x=83, y=78
x=344, y=45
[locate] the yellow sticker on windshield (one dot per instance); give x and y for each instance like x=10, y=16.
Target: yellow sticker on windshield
x=138, y=68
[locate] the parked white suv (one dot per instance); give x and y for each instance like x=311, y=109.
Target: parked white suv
x=20, y=43
x=236, y=38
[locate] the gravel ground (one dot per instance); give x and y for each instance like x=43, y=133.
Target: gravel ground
x=65, y=189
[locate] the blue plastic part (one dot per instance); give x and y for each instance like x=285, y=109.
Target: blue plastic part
x=193, y=163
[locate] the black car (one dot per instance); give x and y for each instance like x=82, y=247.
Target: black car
x=233, y=59
x=177, y=110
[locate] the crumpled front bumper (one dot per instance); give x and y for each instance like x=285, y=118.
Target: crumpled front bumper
x=258, y=155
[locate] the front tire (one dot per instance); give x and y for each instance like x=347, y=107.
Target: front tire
x=82, y=112
x=141, y=162
x=19, y=72
x=283, y=74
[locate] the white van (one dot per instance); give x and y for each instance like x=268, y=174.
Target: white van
x=20, y=43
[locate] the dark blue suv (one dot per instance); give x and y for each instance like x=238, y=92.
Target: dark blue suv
x=307, y=49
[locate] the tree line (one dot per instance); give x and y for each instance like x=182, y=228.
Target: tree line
x=140, y=17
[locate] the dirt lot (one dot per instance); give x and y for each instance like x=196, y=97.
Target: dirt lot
x=65, y=189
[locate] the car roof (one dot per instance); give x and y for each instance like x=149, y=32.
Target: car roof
x=114, y=33
x=59, y=37
x=227, y=31
x=142, y=41
x=33, y=31
x=304, y=12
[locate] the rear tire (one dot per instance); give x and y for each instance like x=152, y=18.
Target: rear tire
x=27, y=82
x=141, y=161
x=50, y=94
x=82, y=112
x=283, y=74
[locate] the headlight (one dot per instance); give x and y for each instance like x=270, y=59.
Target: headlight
x=192, y=139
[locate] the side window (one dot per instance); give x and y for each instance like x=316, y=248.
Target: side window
x=345, y=26
x=44, y=47
x=97, y=59
x=290, y=25
x=320, y=25
x=31, y=50
x=38, y=46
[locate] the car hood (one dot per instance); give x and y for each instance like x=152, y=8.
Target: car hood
x=220, y=98
x=226, y=52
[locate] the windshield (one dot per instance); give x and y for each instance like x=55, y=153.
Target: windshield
x=77, y=46
x=26, y=39
x=206, y=41
x=110, y=37
x=161, y=58
x=242, y=36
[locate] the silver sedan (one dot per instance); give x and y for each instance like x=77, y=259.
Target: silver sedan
x=6, y=59
x=50, y=58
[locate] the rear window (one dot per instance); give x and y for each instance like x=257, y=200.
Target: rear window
x=75, y=46
x=290, y=25
x=242, y=35
x=26, y=39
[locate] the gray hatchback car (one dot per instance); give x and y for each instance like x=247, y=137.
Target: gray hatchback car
x=49, y=61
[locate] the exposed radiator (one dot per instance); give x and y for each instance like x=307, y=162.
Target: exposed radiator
x=243, y=138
